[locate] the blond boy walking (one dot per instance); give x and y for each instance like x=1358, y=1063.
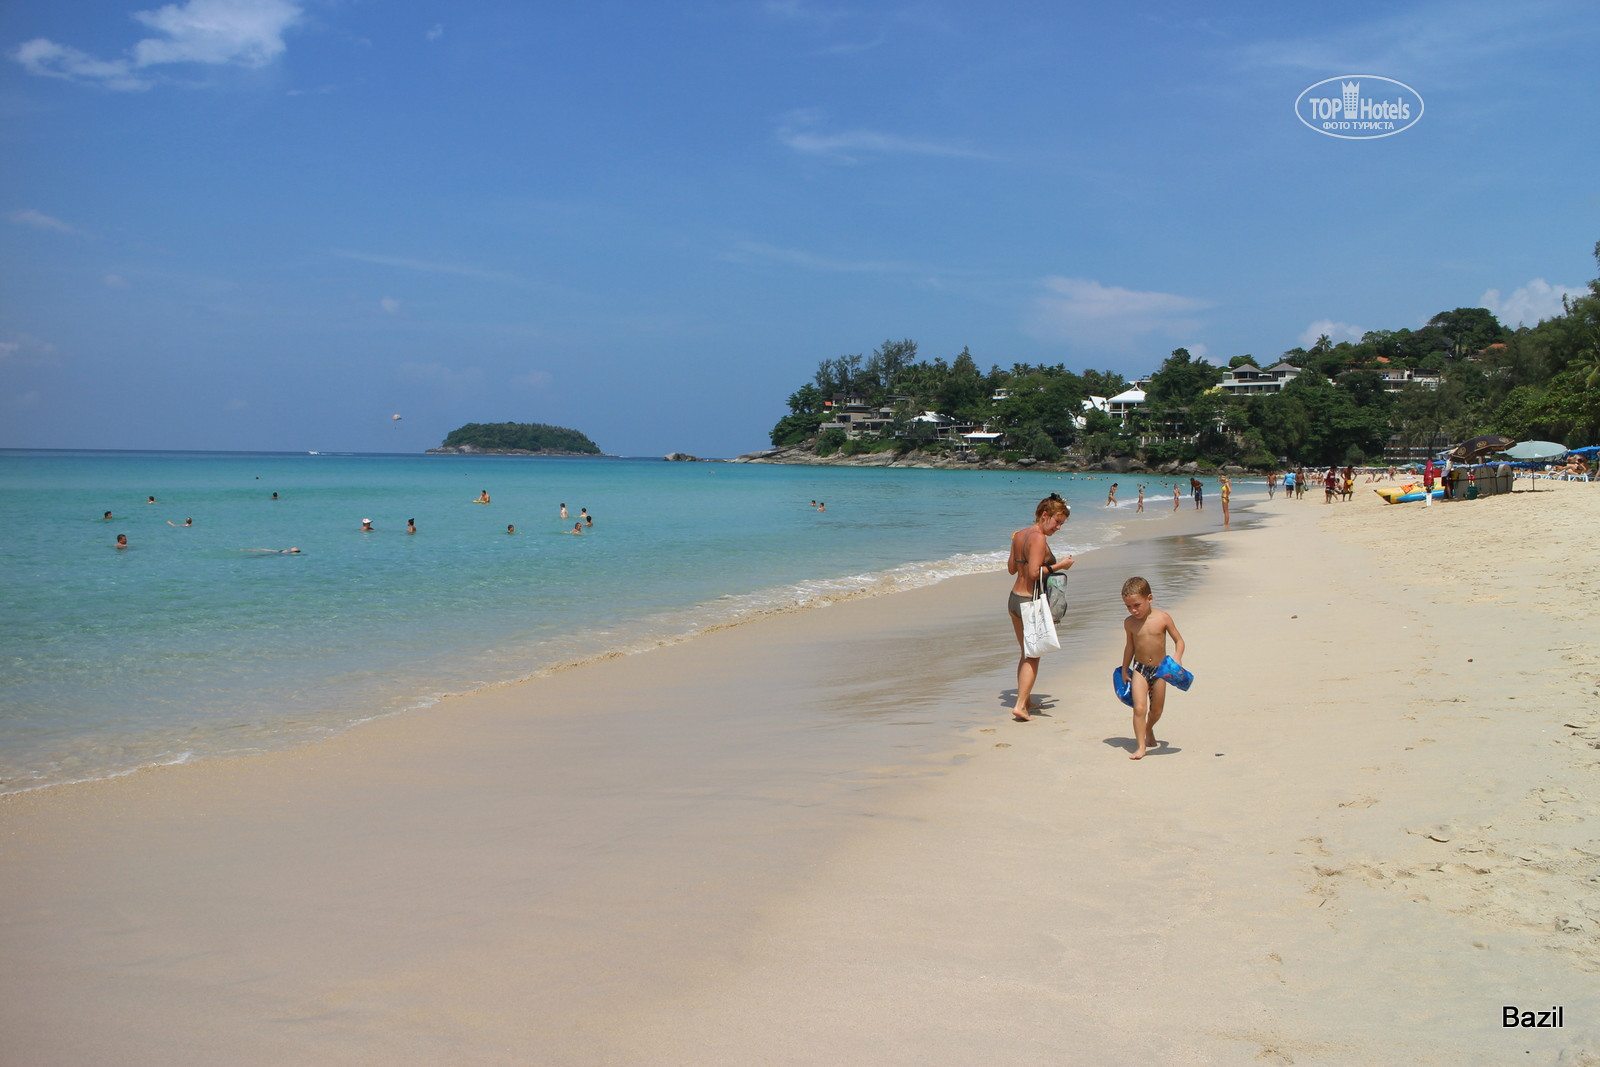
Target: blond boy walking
x=1147, y=629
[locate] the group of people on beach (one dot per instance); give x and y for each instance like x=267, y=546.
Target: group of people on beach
x=1197, y=491
x=1146, y=628
x=584, y=521
x=1336, y=484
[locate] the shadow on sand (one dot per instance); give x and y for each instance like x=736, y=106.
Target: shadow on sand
x=1129, y=745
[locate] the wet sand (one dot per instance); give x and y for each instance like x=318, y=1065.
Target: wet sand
x=819, y=837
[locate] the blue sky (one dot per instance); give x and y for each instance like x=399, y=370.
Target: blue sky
x=274, y=224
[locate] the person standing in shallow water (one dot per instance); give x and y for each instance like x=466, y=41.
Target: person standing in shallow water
x=1031, y=559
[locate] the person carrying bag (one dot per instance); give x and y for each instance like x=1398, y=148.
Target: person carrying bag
x=1033, y=591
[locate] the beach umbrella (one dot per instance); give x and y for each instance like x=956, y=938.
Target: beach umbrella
x=1534, y=451
x=1474, y=449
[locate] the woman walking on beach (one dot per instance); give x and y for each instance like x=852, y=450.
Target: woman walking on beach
x=1032, y=560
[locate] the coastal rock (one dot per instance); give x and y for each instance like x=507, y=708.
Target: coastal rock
x=681, y=457
x=1233, y=468
x=1138, y=466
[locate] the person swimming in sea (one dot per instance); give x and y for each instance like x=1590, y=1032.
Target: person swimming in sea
x=366, y=526
x=483, y=498
x=411, y=526
x=577, y=528
x=122, y=540
x=186, y=522
x=511, y=528
x=106, y=517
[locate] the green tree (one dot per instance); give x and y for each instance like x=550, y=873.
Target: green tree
x=1182, y=378
x=1466, y=330
x=1105, y=383
x=1281, y=421
x=1567, y=410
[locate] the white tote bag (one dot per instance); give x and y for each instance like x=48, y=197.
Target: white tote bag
x=1038, y=628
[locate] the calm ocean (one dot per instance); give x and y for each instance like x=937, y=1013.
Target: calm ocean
x=189, y=644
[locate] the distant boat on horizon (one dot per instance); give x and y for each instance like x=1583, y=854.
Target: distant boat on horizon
x=313, y=452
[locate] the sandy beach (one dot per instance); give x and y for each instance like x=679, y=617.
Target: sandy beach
x=819, y=838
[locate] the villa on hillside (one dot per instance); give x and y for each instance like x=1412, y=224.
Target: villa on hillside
x=852, y=414
x=1250, y=380
x=1125, y=403
x=1395, y=380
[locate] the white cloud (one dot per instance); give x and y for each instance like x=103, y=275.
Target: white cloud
x=798, y=131
x=427, y=267
x=1197, y=349
x=747, y=251
x=28, y=351
x=1336, y=331
x=40, y=221
x=247, y=33
x=436, y=31
x=390, y=305
x=796, y=11
x=1529, y=304
x=1084, y=311
x=115, y=281
x=51, y=60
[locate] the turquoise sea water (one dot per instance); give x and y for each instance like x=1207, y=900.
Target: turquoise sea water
x=189, y=644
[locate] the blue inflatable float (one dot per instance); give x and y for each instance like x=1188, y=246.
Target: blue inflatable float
x=1171, y=671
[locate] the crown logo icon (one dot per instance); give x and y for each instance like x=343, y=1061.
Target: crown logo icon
x=1352, y=97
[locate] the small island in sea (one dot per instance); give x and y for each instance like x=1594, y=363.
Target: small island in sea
x=515, y=439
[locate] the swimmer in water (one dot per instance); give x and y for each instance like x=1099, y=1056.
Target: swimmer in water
x=411, y=526
x=291, y=551
x=563, y=511
x=186, y=522
x=510, y=528
x=274, y=496
x=577, y=528
x=106, y=517
x=366, y=526
x=151, y=500
x=122, y=540
x=483, y=498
